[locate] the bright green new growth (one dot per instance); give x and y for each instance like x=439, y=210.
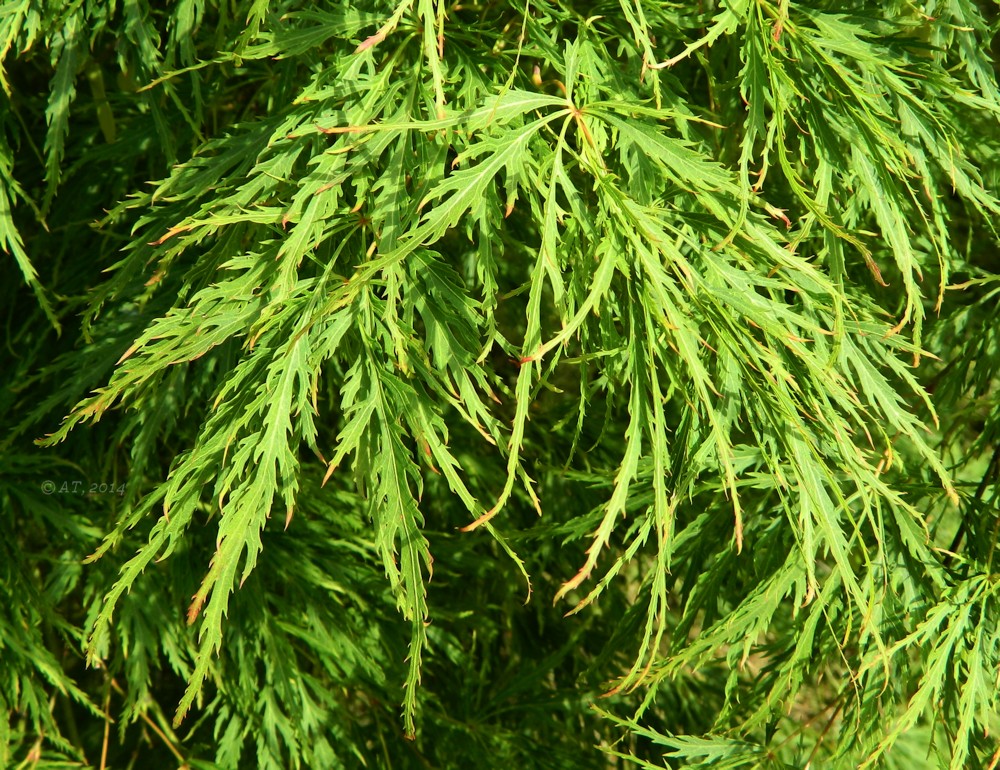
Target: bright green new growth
x=680, y=315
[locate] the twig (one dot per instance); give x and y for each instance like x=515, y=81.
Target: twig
x=155, y=728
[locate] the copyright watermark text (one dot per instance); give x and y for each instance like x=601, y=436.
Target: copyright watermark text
x=79, y=487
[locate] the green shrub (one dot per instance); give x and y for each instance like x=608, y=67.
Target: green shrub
x=499, y=384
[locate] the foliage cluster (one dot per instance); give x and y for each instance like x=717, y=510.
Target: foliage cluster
x=337, y=331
